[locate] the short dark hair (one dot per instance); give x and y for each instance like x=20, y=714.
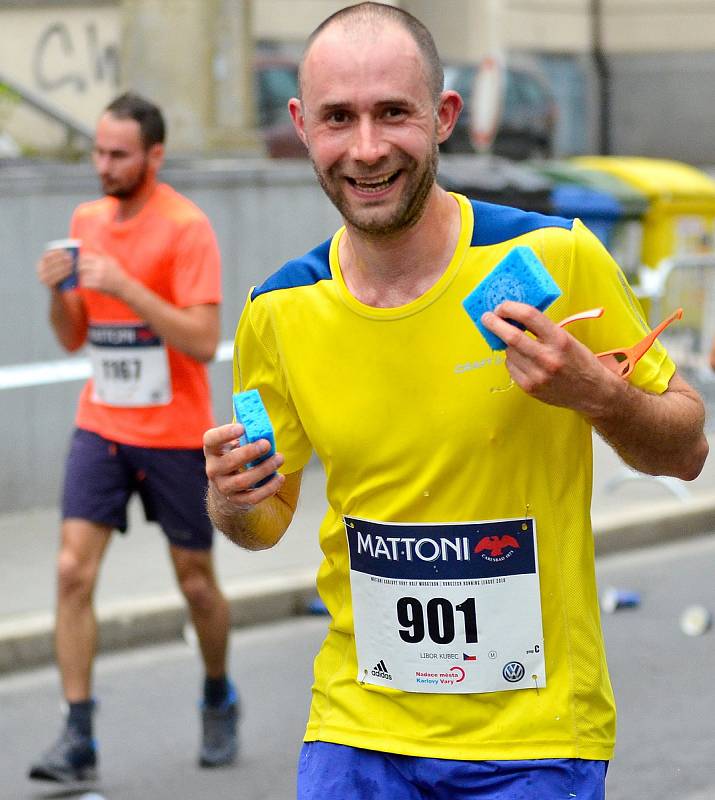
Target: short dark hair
x=151, y=121
x=381, y=13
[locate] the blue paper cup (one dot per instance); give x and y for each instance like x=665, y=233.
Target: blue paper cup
x=613, y=599
x=72, y=247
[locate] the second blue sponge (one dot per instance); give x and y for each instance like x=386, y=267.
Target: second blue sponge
x=249, y=410
x=519, y=276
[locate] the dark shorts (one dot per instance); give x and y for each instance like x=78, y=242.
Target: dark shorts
x=333, y=770
x=101, y=476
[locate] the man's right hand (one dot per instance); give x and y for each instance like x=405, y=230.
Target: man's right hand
x=54, y=267
x=231, y=482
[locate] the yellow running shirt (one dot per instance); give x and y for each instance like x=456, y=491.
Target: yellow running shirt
x=470, y=573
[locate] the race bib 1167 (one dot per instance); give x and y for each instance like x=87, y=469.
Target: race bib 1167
x=130, y=365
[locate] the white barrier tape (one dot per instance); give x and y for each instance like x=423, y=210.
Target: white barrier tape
x=65, y=370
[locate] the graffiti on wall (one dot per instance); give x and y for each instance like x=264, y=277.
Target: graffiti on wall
x=77, y=59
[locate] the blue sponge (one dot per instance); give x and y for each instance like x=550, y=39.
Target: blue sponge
x=518, y=276
x=249, y=410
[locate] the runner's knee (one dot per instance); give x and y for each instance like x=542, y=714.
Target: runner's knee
x=199, y=590
x=74, y=577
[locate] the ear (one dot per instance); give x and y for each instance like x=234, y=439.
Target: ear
x=448, y=111
x=155, y=154
x=295, y=107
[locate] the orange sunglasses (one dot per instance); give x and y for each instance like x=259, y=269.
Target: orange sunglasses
x=622, y=360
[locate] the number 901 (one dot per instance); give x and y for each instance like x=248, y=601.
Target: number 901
x=438, y=621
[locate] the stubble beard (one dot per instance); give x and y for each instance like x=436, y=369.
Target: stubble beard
x=127, y=191
x=411, y=207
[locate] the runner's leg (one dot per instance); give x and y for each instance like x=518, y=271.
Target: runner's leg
x=210, y=614
x=96, y=490
x=172, y=485
x=81, y=550
x=207, y=605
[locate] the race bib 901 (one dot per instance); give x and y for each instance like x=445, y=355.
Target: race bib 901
x=452, y=608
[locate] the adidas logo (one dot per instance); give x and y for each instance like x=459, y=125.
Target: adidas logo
x=380, y=671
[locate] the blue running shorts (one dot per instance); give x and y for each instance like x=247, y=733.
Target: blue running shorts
x=348, y=773
x=101, y=476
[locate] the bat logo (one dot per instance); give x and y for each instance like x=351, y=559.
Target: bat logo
x=495, y=544
x=145, y=334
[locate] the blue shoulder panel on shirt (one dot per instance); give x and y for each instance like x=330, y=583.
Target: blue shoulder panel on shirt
x=494, y=223
x=304, y=271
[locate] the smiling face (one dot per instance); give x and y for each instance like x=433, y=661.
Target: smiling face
x=369, y=120
x=123, y=164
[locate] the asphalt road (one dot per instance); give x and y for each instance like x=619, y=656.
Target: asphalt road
x=148, y=722
x=661, y=677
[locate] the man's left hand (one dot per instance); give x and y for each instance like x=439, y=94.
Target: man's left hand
x=103, y=274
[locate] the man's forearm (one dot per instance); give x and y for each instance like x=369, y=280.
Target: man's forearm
x=68, y=319
x=256, y=527
x=657, y=434
x=194, y=331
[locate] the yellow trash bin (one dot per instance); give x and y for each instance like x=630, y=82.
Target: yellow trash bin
x=680, y=218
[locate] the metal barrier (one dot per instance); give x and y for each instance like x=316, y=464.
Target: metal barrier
x=686, y=282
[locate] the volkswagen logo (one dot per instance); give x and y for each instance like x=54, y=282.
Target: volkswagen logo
x=513, y=671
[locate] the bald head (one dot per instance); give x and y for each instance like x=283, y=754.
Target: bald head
x=364, y=19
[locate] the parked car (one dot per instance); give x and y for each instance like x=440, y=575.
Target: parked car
x=526, y=129
x=528, y=120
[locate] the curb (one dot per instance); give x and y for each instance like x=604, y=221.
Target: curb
x=657, y=523
x=28, y=641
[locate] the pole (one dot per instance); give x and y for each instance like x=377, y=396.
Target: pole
x=603, y=78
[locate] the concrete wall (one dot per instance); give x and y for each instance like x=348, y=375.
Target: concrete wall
x=262, y=214
x=197, y=57
x=658, y=26
x=664, y=105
